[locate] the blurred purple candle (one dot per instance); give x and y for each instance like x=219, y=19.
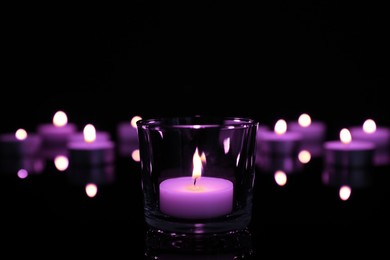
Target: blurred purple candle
x=347, y=152
x=379, y=136
x=313, y=133
x=90, y=150
x=56, y=134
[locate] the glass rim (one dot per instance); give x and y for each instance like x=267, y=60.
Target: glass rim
x=196, y=122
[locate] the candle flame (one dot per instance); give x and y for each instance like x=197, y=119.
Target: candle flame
x=91, y=190
x=345, y=192
x=89, y=133
x=60, y=119
x=197, y=161
x=280, y=127
x=345, y=136
x=280, y=177
x=21, y=134
x=369, y=126
x=134, y=120
x=304, y=120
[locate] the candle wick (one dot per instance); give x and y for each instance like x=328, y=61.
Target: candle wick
x=195, y=181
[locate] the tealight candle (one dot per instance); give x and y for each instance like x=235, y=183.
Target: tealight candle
x=56, y=133
x=127, y=131
x=20, y=143
x=380, y=136
x=313, y=133
x=280, y=141
x=196, y=197
x=90, y=150
x=348, y=152
x=128, y=136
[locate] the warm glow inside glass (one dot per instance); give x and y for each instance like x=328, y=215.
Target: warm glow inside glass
x=197, y=173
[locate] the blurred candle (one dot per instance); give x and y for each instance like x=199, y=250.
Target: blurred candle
x=90, y=150
x=280, y=141
x=20, y=150
x=379, y=136
x=313, y=133
x=347, y=152
x=19, y=143
x=127, y=134
x=56, y=133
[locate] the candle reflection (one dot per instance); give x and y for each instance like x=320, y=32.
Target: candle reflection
x=232, y=245
x=91, y=190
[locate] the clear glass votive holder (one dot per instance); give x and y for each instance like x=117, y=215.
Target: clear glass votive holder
x=197, y=173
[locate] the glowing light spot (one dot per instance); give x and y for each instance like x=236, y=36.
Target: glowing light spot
x=135, y=155
x=61, y=162
x=196, y=126
x=345, y=192
x=304, y=156
x=304, y=120
x=60, y=119
x=369, y=126
x=22, y=173
x=280, y=127
x=91, y=190
x=345, y=136
x=280, y=178
x=226, y=145
x=134, y=120
x=89, y=133
x=21, y=134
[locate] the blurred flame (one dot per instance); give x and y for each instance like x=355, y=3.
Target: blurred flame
x=280, y=127
x=61, y=162
x=369, y=126
x=60, y=119
x=304, y=120
x=134, y=120
x=304, y=156
x=91, y=190
x=89, y=133
x=280, y=177
x=21, y=134
x=345, y=136
x=135, y=155
x=345, y=192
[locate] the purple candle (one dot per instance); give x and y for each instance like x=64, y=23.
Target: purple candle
x=379, y=136
x=127, y=131
x=196, y=197
x=313, y=133
x=280, y=141
x=56, y=133
x=127, y=134
x=20, y=143
x=348, y=152
x=90, y=150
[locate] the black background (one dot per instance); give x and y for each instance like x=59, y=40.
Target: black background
x=104, y=63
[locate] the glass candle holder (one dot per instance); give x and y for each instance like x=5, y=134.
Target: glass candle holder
x=197, y=173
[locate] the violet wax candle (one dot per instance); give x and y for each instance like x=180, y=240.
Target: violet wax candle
x=19, y=144
x=347, y=152
x=313, y=133
x=56, y=133
x=379, y=136
x=278, y=142
x=91, y=150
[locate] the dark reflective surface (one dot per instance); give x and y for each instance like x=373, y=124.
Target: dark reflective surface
x=50, y=211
